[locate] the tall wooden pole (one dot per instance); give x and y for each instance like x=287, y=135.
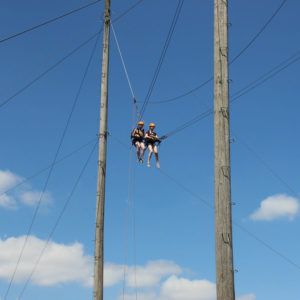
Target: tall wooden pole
x=223, y=218
x=99, y=240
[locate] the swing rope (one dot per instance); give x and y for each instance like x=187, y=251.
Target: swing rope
x=131, y=180
x=126, y=73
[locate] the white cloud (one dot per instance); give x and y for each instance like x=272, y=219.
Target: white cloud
x=247, y=297
x=189, y=290
x=63, y=264
x=11, y=198
x=67, y=263
x=175, y=288
x=275, y=207
x=145, y=276
x=152, y=273
x=7, y=181
x=31, y=198
x=8, y=202
x=141, y=296
x=60, y=263
x=113, y=274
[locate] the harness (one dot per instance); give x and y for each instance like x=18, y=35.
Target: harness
x=152, y=138
x=140, y=133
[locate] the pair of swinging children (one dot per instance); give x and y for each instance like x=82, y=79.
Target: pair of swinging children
x=143, y=141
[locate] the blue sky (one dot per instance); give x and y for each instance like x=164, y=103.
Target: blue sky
x=172, y=242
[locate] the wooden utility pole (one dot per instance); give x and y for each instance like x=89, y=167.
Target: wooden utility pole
x=99, y=240
x=223, y=218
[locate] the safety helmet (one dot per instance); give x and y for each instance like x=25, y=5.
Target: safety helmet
x=141, y=123
x=151, y=125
